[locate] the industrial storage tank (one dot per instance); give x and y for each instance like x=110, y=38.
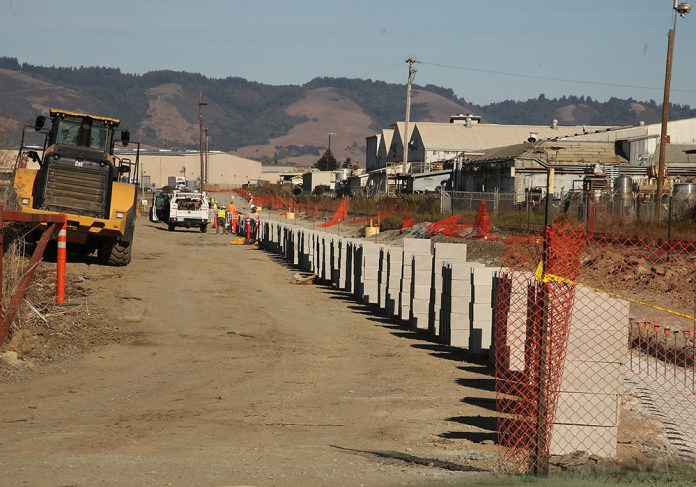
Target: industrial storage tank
x=623, y=184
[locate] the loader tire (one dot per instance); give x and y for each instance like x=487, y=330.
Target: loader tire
x=115, y=252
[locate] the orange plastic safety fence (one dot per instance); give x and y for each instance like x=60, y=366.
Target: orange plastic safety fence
x=603, y=318
x=340, y=215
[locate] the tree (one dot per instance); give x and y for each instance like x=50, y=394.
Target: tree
x=327, y=162
x=348, y=163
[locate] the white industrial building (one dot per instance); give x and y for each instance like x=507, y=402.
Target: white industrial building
x=224, y=170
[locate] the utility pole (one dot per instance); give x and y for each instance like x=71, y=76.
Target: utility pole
x=330, y=134
x=411, y=75
x=681, y=9
x=201, y=104
x=207, y=152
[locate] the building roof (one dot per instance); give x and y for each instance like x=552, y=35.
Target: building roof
x=401, y=126
x=458, y=137
x=558, y=152
x=387, y=135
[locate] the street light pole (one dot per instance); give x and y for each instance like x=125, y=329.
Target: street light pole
x=681, y=9
x=330, y=134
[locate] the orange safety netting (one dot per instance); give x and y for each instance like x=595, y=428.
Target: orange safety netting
x=605, y=315
x=451, y=227
x=340, y=215
x=408, y=223
x=482, y=225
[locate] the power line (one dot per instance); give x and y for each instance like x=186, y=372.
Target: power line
x=550, y=78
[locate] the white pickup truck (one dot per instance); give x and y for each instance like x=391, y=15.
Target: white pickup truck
x=179, y=209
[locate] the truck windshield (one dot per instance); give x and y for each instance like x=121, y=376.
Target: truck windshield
x=79, y=134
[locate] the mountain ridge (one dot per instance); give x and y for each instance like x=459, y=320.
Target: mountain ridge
x=284, y=123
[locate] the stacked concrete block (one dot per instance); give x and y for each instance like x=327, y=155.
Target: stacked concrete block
x=357, y=270
x=421, y=279
x=481, y=308
x=328, y=258
x=342, y=262
x=392, y=302
x=370, y=272
x=305, y=249
x=335, y=258
x=412, y=247
x=587, y=413
x=315, y=252
x=382, y=277
x=517, y=288
x=350, y=257
x=460, y=288
x=325, y=257
x=281, y=237
x=442, y=252
x=293, y=246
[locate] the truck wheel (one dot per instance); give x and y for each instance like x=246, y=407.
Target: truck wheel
x=115, y=252
x=204, y=228
x=171, y=227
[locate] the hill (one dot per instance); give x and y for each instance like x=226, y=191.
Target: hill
x=285, y=123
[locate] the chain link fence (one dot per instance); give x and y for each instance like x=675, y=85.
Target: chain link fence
x=585, y=322
x=600, y=211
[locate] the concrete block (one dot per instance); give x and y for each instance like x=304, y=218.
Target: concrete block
x=459, y=338
x=417, y=245
x=483, y=276
x=420, y=305
x=594, y=309
x=592, y=377
x=460, y=288
x=459, y=321
x=461, y=271
x=423, y=263
x=449, y=251
x=420, y=291
x=481, y=312
x=405, y=311
x=595, y=440
x=587, y=409
x=461, y=305
x=482, y=294
x=592, y=345
x=419, y=320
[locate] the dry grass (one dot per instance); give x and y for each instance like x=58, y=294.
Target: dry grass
x=13, y=268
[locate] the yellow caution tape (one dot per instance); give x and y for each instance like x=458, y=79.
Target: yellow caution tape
x=544, y=277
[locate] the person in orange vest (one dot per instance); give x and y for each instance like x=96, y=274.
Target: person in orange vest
x=231, y=210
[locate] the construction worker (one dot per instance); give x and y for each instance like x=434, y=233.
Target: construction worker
x=231, y=210
x=221, y=220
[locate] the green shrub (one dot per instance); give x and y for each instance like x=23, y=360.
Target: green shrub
x=391, y=222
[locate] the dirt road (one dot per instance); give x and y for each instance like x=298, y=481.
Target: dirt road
x=231, y=374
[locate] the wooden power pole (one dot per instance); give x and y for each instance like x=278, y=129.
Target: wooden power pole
x=411, y=75
x=201, y=144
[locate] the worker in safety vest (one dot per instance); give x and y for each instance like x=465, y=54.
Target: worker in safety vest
x=221, y=220
x=231, y=210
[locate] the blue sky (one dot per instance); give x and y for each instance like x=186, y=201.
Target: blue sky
x=293, y=41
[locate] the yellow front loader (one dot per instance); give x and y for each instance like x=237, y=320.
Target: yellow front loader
x=77, y=173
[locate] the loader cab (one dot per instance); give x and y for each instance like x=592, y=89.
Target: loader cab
x=78, y=165
x=83, y=134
